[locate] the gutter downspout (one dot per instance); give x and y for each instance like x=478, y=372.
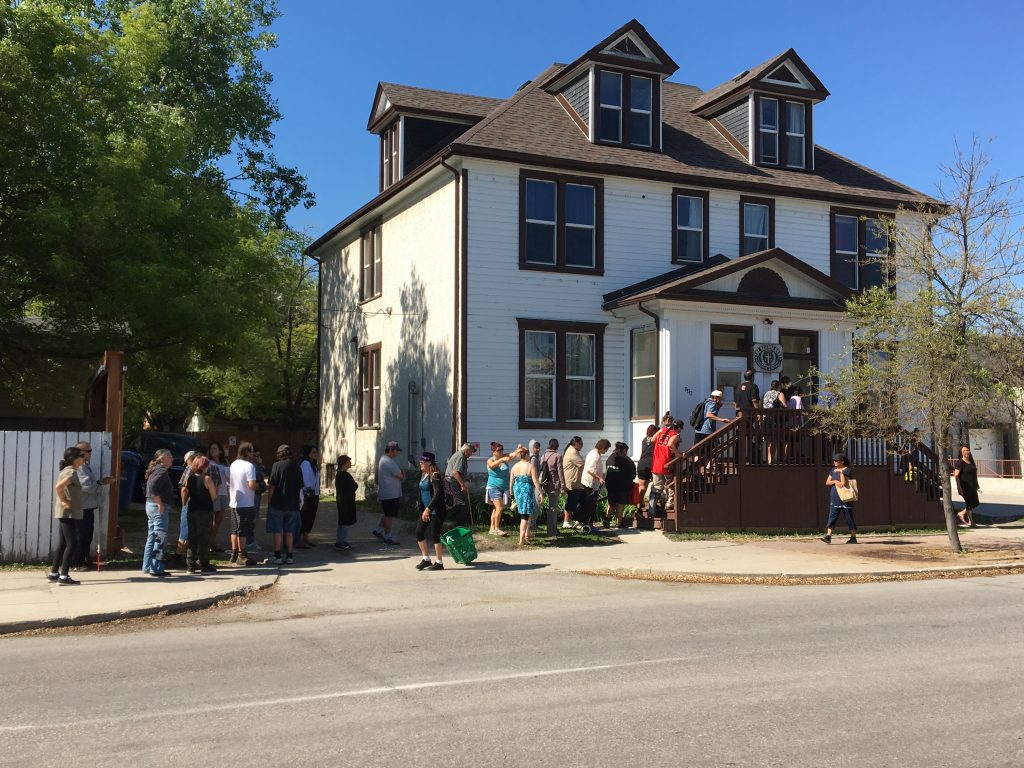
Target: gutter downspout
x=457, y=304
x=657, y=360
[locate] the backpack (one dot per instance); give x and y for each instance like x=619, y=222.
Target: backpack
x=697, y=415
x=544, y=476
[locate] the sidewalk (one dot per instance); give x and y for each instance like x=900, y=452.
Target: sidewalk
x=28, y=601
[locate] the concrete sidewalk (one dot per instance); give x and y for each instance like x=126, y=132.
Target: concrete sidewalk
x=29, y=601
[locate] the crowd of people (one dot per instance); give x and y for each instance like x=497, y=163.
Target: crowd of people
x=524, y=482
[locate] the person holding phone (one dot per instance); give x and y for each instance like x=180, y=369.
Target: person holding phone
x=93, y=488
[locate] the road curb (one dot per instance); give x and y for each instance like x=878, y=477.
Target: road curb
x=10, y=628
x=807, y=579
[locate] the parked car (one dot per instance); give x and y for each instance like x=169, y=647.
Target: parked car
x=147, y=443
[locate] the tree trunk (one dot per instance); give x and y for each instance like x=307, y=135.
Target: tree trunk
x=942, y=451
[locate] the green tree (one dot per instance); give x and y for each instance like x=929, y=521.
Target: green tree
x=930, y=349
x=119, y=227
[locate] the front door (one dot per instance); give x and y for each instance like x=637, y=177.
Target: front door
x=728, y=375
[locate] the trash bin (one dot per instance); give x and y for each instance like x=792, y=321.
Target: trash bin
x=130, y=463
x=459, y=542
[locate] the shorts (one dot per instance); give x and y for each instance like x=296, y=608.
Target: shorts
x=645, y=474
x=243, y=521
x=495, y=493
x=281, y=520
x=620, y=497
x=389, y=507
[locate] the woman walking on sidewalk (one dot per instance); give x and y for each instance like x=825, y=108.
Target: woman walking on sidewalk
x=432, y=512
x=838, y=478
x=528, y=493
x=159, y=500
x=67, y=509
x=965, y=470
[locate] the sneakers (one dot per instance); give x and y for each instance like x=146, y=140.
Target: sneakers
x=161, y=575
x=827, y=538
x=289, y=560
x=437, y=566
x=209, y=568
x=67, y=581
x=343, y=546
x=52, y=576
x=852, y=540
x=249, y=562
x=567, y=525
x=195, y=571
x=422, y=564
x=379, y=534
x=274, y=560
x=390, y=542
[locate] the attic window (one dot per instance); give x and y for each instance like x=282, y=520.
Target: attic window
x=784, y=75
x=627, y=47
x=628, y=110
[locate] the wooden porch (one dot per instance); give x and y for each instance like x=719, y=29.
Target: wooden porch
x=768, y=474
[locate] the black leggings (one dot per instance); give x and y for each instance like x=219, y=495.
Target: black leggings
x=310, y=504
x=67, y=547
x=430, y=532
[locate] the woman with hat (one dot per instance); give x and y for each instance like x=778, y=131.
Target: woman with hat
x=432, y=512
x=839, y=477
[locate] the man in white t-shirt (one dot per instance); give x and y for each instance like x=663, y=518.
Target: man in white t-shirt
x=242, y=492
x=389, y=490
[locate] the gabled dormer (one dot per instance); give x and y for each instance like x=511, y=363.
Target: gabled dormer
x=414, y=123
x=613, y=91
x=766, y=112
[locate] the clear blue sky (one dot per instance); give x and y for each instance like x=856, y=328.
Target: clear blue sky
x=906, y=78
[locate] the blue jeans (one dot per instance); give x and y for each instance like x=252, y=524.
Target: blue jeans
x=153, y=554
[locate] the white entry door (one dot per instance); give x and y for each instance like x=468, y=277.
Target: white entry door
x=727, y=376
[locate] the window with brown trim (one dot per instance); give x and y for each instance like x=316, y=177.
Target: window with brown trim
x=757, y=224
x=782, y=132
x=643, y=374
x=561, y=374
x=690, y=221
x=390, y=155
x=369, y=387
x=628, y=109
x=561, y=223
x=370, y=272
x=859, y=246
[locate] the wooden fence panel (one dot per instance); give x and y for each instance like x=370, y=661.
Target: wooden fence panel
x=28, y=472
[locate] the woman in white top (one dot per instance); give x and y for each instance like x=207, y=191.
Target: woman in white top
x=310, y=493
x=593, y=479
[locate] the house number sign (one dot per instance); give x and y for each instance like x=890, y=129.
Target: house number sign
x=768, y=358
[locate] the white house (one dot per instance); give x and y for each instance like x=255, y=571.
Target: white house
x=599, y=247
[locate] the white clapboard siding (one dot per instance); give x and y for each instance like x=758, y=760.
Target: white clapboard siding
x=28, y=471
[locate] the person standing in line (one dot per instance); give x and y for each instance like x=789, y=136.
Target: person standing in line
x=310, y=466
x=389, y=491
x=190, y=458
x=839, y=477
x=773, y=400
x=67, y=508
x=92, y=498
x=497, y=484
x=965, y=471
x=284, y=493
x=621, y=472
x=535, y=461
x=261, y=489
x=643, y=465
x=796, y=400
x=572, y=471
x=594, y=472
x=711, y=408
x=748, y=395
x=242, y=477
x=198, y=497
x=663, y=469
x=527, y=491
x=457, y=472
x=345, y=496
x=218, y=472
x=159, y=500
x=551, y=468
x=432, y=512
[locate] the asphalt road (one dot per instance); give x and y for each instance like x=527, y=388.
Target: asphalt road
x=531, y=668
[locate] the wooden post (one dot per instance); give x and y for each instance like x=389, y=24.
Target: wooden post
x=113, y=364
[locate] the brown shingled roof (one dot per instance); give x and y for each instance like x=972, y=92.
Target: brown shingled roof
x=426, y=101
x=747, y=78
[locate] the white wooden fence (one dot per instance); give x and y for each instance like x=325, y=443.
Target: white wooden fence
x=29, y=464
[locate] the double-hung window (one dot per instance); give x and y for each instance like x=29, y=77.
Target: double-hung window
x=768, y=122
x=795, y=134
x=390, y=155
x=690, y=218
x=369, y=387
x=860, y=246
x=560, y=223
x=757, y=224
x=561, y=373
x=610, y=87
x=370, y=263
x=641, y=111
x=643, y=374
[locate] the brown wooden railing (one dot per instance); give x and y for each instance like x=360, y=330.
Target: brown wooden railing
x=767, y=472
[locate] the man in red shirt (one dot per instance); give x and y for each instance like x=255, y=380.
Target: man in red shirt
x=665, y=450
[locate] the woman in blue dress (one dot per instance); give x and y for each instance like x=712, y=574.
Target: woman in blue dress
x=527, y=492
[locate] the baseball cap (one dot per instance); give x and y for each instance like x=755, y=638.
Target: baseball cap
x=392, y=446
x=716, y=393
x=428, y=457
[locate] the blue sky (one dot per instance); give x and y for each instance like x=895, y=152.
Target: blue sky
x=906, y=78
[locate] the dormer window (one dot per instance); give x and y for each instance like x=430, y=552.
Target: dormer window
x=795, y=139
x=390, y=155
x=627, y=111
x=769, y=129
